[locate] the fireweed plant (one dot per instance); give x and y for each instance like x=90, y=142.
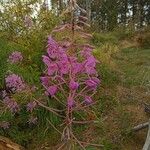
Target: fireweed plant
x=70, y=79
x=75, y=77
x=15, y=85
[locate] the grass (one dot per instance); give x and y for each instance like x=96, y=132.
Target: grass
x=134, y=63
x=125, y=83
x=125, y=75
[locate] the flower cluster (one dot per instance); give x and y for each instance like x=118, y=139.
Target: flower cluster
x=76, y=73
x=15, y=57
x=14, y=82
x=11, y=104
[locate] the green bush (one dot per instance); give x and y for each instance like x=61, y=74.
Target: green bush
x=124, y=32
x=102, y=38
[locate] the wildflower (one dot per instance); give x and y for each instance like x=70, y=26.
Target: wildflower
x=88, y=100
x=52, y=90
x=86, y=52
x=96, y=80
x=73, y=85
x=46, y=60
x=90, y=65
x=14, y=82
x=52, y=48
x=62, y=56
x=15, y=57
x=52, y=68
x=70, y=102
x=92, y=83
x=45, y=80
x=64, y=70
x=31, y=106
x=63, y=67
x=76, y=67
x=11, y=104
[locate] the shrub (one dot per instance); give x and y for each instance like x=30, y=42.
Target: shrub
x=123, y=33
x=105, y=54
x=102, y=38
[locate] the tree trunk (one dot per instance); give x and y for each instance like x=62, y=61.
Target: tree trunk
x=88, y=9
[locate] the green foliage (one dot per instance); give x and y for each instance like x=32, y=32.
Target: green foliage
x=31, y=42
x=108, y=145
x=123, y=33
x=102, y=38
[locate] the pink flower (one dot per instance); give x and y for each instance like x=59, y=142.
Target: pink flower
x=52, y=48
x=73, y=85
x=46, y=60
x=14, y=82
x=15, y=57
x=70, y=102
x=91, y=70
x=76, y=67
x=90, y=65
x=65, y=70
x=45, y=80
x=11, y=104
x=31, y=106
x=92, y=83
x=62, y=56
x=86, y=52
x=88, y=100
x=96, y=80
x=63, y=67
x=52, y=90
x=52, y=68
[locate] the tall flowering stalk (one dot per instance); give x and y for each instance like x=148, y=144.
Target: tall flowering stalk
x=70, y=79
x=74, y=76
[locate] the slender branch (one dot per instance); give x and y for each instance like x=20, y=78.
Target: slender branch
x=140, y=126
x=77, y=141
x=84, y=122
x=96, y=145
x=49, y=109
x=61, y=146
